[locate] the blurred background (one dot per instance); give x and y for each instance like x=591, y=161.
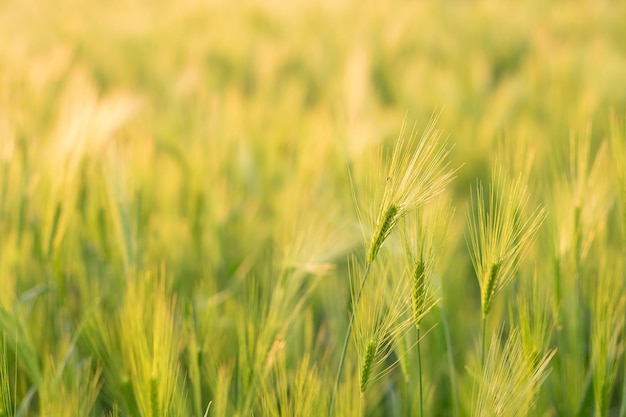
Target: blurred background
x=216, y=111
x=191, y=136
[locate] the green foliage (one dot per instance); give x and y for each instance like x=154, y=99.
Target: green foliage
x=5, y=394
x=194, y=194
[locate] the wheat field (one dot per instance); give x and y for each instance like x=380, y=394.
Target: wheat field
x=312, y=208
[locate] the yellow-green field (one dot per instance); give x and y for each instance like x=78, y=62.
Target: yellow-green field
x=312, y=208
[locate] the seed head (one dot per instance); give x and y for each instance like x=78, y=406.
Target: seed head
x=365, y=369
x=500, y=231
x=418, y=172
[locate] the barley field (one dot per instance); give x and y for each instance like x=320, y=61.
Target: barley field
x=312, y=208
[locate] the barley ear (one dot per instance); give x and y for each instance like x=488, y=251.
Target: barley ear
x=365, y=370
x=501, y=229
x=490, y=288
x=386, y=222
x=418, y=292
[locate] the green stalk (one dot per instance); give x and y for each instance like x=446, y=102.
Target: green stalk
x=482, y=356
x=347, y=338
x=622, y=411
x=451, y=367
x=408, y=396
x=362, y=405
x=419, y=363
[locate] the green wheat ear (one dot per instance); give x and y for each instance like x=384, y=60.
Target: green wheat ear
x=418, y=172
x=490, y=288
x=418, y=292
x=500, y=232
x=365, y=370
x=386, y=222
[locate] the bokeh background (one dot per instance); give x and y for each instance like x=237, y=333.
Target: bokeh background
x=189, y=138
